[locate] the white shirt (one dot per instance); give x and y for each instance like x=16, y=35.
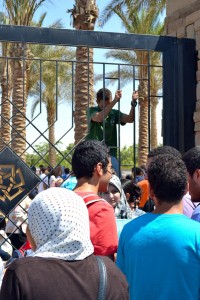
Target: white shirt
x=44, y=178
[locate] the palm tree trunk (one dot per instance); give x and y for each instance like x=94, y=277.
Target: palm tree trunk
x=84, y=93
x=85, y=13
x=143, y=107
x=154, y=130
x=51, y=120
x=20, y=13
x=18, y=132
x=5, y=100
x=143, y=131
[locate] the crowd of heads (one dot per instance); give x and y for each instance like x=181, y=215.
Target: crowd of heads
x=165, y=169
x=58, y=219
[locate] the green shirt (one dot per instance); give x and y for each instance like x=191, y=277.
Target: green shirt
x=95, y=129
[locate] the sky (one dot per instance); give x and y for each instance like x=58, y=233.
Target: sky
x=57, y=9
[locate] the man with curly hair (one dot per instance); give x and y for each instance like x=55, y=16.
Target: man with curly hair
x=159, y=252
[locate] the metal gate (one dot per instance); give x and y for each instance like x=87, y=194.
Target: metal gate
x=177, y=66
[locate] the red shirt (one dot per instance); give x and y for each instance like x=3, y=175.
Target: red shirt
x=103, y=228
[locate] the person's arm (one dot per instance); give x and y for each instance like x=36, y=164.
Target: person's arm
x=100, y=116
x=130, y=117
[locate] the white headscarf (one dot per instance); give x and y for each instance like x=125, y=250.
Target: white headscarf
x=59, y=224
x=122, y=205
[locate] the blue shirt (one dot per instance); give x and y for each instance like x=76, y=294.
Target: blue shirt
x=160, y=257
x=70, y=183
x=120, y=225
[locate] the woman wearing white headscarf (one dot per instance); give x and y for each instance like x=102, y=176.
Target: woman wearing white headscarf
x=62, y=266
x=116, y=197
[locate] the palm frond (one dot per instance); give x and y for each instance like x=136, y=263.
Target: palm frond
x=21, y=12
x=34, y=106
x=125, y=56
x=57, y=24
x=109, y=10
x=126, y=76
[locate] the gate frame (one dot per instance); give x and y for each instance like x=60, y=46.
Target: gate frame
x=179, y=69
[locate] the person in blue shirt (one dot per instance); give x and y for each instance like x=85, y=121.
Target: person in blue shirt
x=159, y=252
x=138, y=174
x=70, y=182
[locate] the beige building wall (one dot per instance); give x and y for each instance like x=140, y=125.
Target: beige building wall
x=183, y=20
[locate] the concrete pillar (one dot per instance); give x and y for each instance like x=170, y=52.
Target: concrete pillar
x=183, y=20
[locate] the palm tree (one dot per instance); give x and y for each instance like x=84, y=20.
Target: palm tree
x=6, y=84
x=20, y=12
x=156, y=84
x=137, y=5
x=146, y=21
x=85, y=13
x=50, y=95
x=5, y=80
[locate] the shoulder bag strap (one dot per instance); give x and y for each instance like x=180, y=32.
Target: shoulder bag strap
x=92, y=198
x=102, y=279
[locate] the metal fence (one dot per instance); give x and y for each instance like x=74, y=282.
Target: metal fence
x=39, y=97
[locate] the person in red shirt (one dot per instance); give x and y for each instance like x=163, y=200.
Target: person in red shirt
x=92, y=167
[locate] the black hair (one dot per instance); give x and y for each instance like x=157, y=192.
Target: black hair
x=103, y=94
x=164, y=150
x=49, y=168
x=33, y=193
x=2, y=223
x=57, y=171
x=67, y=170
x=123, y=180
x=43, y=169
x=167, y=177
x=133, y=189
x=87, y=155
x=33, y=168
x=192, y=160
x=138, y=171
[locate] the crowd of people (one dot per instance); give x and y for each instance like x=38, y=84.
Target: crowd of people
x=106, y=237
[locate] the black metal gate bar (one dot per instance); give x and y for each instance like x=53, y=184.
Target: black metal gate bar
x=54, y=36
